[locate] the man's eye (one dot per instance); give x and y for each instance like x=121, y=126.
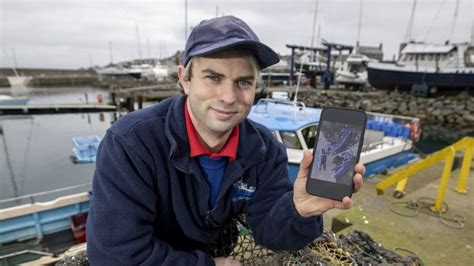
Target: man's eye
x=213, y=78
x=244, y=83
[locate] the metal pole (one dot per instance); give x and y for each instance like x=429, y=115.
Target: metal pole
x=327, y=74
x=465, y=168
x=443, y=184
x=292, y=65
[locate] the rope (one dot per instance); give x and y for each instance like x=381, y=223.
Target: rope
x=424, y=204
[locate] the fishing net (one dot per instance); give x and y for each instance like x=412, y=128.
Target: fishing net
x=355, y=248
x=236, y=241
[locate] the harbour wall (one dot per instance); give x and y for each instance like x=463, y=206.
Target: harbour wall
x=52, y=77
x=446, y=117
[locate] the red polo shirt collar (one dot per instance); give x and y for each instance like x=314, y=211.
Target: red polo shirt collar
x=197, y=149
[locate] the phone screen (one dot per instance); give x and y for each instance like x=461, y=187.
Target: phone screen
x=336, y=152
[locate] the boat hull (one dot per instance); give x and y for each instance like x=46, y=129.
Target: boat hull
x=14, y=101
x=39, y=219
x=371, y=168
x=404, y=80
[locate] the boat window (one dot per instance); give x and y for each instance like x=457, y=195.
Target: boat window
x=430, y=57
x=290, y=140
x=309, y=135
x=355, y=68
x=422, y=57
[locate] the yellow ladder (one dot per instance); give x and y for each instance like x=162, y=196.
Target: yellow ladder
x=447, y=154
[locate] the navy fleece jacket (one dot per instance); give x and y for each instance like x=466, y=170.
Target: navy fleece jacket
x=150, y=199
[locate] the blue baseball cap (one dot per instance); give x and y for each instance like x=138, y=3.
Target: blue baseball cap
x=220, y=33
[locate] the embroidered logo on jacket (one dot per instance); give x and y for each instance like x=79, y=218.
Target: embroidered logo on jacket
x=242, y=191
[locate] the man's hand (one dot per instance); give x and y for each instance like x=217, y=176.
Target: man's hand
x=223, y=261
x=309, y=205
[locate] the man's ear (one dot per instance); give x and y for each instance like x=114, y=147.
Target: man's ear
x=182, y=79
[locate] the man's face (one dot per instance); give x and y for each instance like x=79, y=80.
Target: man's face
x=221, y=91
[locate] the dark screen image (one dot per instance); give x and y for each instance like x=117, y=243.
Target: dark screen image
x=336, y=152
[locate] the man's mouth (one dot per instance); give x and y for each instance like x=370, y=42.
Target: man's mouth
x=224, y=114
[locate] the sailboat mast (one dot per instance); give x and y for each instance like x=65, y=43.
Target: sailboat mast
x=14, y=62
x=185, y=19
x=409, y=32
x=454, y=20
x=314, y=22
x=360, y=26
x=110, y=53
x=472, y=32
x=138, y=42
x=472, y=26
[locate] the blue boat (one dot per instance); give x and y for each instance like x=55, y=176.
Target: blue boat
x=85, y=148
x=388, y=139
x=52, y=225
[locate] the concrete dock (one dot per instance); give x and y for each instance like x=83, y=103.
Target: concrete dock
x=424, y=234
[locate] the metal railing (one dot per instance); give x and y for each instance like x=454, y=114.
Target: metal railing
x=32, y=197
x=447, y=154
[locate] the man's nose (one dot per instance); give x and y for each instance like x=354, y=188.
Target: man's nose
x=227, y=92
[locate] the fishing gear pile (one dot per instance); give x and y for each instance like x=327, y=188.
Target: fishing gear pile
x=236, y=241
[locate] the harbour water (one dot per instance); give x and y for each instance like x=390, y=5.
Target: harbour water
x=35, y=150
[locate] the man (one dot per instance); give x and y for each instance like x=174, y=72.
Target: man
x=170, y=178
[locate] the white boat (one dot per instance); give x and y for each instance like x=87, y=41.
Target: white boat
x=449, y=65
x=356, y=73
x=8, y=100
x=19, y=81
x=161, y=72
x=143, y=71
x=388, y=139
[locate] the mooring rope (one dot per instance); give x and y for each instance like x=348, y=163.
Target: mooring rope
x=423, y=204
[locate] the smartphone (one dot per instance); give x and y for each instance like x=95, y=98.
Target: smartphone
x=336, y=151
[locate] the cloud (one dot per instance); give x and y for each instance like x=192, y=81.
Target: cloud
x=68, y=33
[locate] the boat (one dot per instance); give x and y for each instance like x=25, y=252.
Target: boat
x=8, y=100
x=317, y=67
x=436, y=66
x=161, y=72
x=27, y=231
x=112, y=72
x=356, y=73
x=143, y=71
x=388, y=139
x=85, y=148
x=19, y=81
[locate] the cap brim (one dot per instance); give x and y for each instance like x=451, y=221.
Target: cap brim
x=264, y=54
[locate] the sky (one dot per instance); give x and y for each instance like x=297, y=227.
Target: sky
x=78, y=33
